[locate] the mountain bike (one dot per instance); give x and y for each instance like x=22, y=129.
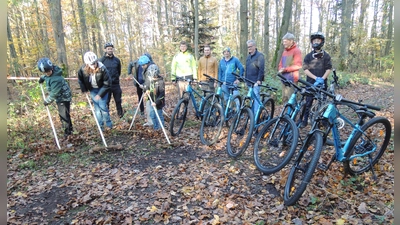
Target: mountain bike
x=362, y=150
x=277, y=140
x=211, y=127
x=180, y=111
x=245, y=122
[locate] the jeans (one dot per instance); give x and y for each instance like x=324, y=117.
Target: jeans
x=156, y=124
x=226, y=91
x=254, y=108
x=100, y=109
x=65, y=117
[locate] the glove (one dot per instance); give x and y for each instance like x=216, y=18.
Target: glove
x=319, y=81
x=41, y=80
x=45, y=103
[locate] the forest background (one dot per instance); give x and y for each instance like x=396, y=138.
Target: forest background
x=359, y=33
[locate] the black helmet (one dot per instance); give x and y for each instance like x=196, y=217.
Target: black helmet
x=108, y=44
x=44, y=65
x=320, y=35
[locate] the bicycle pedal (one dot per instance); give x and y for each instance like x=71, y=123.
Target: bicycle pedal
x=323, y=166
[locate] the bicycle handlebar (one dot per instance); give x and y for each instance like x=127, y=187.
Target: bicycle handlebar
x=252, y=82
x=212, y=78
x=338, y=97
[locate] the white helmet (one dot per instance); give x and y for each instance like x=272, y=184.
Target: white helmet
x=90, y=58
x=153, y=71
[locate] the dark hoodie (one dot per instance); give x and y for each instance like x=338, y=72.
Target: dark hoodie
x=57, y=87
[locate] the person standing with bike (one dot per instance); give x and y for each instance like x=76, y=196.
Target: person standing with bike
x=59, y=91
x=255, y=70
x=183, y=66
x=290, y=64
x=317, y=65
x=155, y=87
x=113, y=65
x=93, y=77
x=207, y=64
x=227, y=66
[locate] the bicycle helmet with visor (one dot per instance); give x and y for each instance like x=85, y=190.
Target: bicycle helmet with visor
x=45, y=65
x=320, y=35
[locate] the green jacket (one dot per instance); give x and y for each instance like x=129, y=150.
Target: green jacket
x=183, y=64
x=57, y=87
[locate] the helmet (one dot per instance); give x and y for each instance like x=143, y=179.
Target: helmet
x=153, y=71
x=90, y=58
x=143, y=60
x=320, y=35
x=108, y=44
x=45, y=65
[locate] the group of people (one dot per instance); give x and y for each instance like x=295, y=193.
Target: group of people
x=101, y=77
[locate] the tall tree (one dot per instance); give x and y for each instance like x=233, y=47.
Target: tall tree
x=266, y=30
x=83, y=27
x=287, y=12
x=244, y=30
x=13, y=53
x=345, y=33
x=389, y=36
x=196, y=29
x=58, y=30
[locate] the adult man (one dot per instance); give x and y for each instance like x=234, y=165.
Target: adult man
x=59, y=91
x=317, y=66
x=183, y=66
x=207, y=64
x=113, y=65
x=255, y=69
x=290, y=64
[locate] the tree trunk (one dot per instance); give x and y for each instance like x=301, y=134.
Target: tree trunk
x=43, y=31
x=253, y=19
x=57, y=23
x=244, y=31
x=13, y=53
x=345, y=34
x=287, y=12
x=83, y=26
x=266, y=30
x=389, y=36
x=196, y=29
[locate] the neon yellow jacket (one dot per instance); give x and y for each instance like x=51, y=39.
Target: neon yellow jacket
x=183, y=64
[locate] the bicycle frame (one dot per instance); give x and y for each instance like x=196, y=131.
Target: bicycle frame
x=192, y=92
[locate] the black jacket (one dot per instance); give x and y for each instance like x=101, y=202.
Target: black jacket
x=102, y=79
x=113, y=65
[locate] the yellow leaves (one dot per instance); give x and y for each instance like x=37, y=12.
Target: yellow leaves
x=187, y=190
x=20, y=194
x=152, y=208
x=340, y=221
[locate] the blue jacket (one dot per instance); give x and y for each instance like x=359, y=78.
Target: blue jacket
x=255, y=67
x=226, y=68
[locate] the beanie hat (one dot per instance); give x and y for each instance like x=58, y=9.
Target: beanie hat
x=227, y=49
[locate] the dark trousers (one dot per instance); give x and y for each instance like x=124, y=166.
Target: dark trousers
x=65, y=117
x=306, y=112
x=139, y=94
x=116, y=92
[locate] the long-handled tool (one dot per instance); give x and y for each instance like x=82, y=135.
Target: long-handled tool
x=134, y=116
x=51, y=121
x=97, y=122
x=158, y=117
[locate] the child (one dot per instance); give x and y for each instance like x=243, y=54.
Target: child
x=155, y=87
x=59, y=91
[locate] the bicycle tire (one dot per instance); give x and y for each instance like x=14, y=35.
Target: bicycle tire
x=207, y=104
x=376, y=132
x=234, y=107
x=178, y=117
x=275, y=144
x=240, y=132
x=211, y=124
x=303, y=169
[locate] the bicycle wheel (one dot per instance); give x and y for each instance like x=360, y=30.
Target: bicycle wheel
x=211, y=125
x=240, y=132
x=206, y=104
x=266, y=112
x=275, y=144
x=376, y=135
x=178, y=117
x=345, y=129
x=234, y=107
x=304, y=166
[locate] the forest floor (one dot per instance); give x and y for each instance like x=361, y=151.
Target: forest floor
x=148, y=181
